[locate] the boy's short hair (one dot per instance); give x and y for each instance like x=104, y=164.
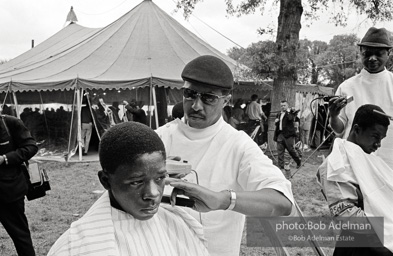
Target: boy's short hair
x=254, y=97
x=365, y=117
x=124, y=143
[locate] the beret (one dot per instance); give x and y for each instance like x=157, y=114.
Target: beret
x=208, y=70
x=376, y=37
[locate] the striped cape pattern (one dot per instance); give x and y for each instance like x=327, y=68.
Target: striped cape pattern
x=106, y=231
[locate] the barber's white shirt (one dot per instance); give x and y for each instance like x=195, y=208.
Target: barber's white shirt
x=368, y=88
x=224, y=158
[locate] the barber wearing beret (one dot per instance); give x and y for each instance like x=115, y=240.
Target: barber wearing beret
x=373, y=85
x=16, y=146
x=235, y=177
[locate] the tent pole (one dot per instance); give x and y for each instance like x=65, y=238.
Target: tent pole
x=150, y=99
x=78, y=106
x=155, y=106
x=16, y=105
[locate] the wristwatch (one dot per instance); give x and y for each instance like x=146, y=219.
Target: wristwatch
x=233, y=200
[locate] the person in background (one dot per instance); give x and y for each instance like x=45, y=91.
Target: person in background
x=139, y=115
x=128, y=218
x=177, y=110
x=373, y=85
x=284, y=135
x=305, y=126
x=256, y=118
x=17, y=146
x=238, y=115
x=227, y=115
x=357, y=183
x=87, y=126
x=115, y=112
x=266, y=108
x=235, y=177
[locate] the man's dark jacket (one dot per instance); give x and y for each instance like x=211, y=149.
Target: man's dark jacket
x=18, y=146
x=288, y=126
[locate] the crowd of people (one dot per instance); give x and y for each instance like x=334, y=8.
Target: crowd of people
x=235, y=178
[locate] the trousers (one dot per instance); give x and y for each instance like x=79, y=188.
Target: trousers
x=13, y=218
x=86, y=135
x=289, y=144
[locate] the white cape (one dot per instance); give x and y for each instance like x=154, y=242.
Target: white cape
x=349, y=163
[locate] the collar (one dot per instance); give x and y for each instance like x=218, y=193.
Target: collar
x=365, y=73
x=195, y=134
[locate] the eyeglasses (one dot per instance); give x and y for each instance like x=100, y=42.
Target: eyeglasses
x=207, y=98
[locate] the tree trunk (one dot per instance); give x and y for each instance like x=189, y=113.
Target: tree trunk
x=287, y=44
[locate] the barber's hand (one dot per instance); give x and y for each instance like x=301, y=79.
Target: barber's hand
x=205, y=199
x=336, y=104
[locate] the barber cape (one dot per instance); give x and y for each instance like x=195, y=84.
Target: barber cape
x=349, y=163
x=369, y=88
x=224, y=158
x=107, y=231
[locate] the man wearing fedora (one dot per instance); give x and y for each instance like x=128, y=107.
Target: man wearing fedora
x=373, y=85
x=235, y=178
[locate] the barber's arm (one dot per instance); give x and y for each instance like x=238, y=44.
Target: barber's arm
x=335, y=106
x=265, y=202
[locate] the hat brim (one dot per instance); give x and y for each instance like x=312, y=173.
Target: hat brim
x=376, y=45
x=207, y=85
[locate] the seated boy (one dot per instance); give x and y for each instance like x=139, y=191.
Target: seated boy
x=128, y=218
x=357, y=183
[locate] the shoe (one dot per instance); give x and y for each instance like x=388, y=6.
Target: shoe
x=84, y=154
x=298, y=165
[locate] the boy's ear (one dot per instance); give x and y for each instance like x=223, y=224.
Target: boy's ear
x=357, y=130
x=104, y=179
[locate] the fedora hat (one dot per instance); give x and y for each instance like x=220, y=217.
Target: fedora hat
x=376, y=37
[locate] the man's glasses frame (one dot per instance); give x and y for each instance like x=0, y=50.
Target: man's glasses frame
x=207, y=98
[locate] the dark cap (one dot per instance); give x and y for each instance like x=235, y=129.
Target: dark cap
x=376, y=37
x=208, y=70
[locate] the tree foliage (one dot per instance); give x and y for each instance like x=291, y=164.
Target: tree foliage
x=287, y=45
x=260, y=57
x=318, y=62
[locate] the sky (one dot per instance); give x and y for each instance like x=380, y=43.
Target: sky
x=25, y=20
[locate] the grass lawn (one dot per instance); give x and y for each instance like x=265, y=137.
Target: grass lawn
x=73, y=192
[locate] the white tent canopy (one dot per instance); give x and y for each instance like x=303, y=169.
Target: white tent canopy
x=143, y=46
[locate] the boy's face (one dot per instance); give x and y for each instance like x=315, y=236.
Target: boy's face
x=138, y=188
x=369, y=139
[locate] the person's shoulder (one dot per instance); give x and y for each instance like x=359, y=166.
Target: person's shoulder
x=350, y=82
x=389, y=73
x=11, y=120
x=168, y=127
